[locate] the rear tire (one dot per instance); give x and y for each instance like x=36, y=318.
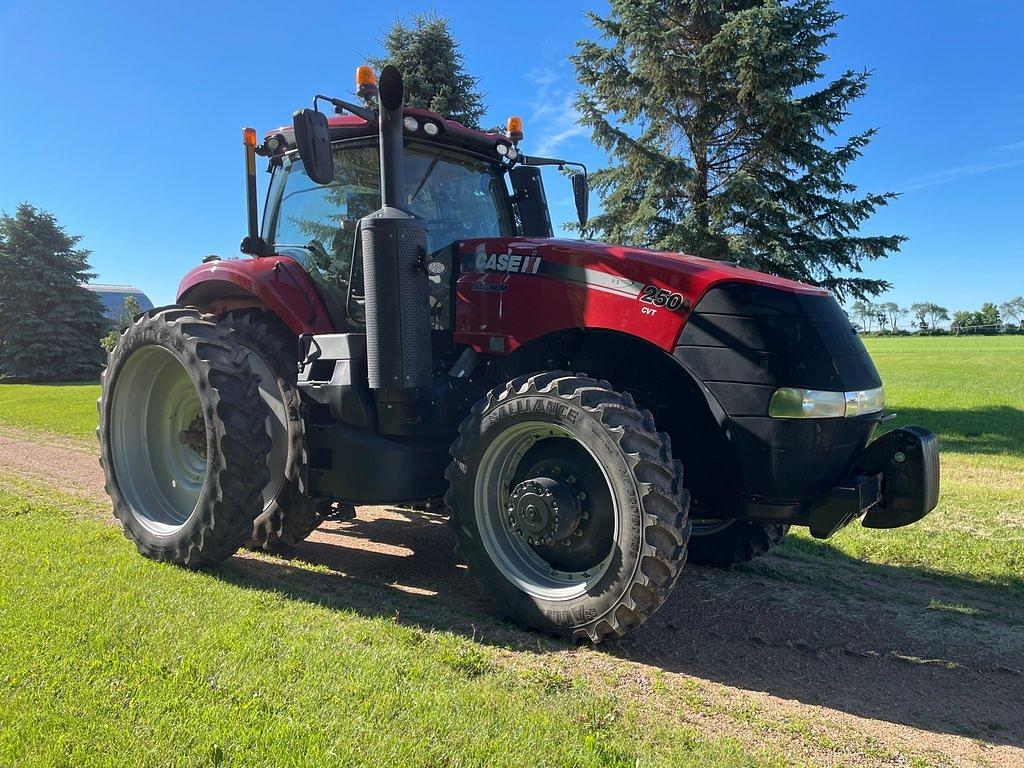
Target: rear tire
x=183, y=439
x=288, y=515
x=722, y=544
x=586, y=555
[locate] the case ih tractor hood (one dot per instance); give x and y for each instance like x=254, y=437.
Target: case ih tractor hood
x=512, y=290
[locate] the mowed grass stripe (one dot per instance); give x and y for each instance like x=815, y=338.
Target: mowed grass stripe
x=971, y=392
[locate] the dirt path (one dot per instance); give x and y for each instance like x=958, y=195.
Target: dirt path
x=836, y=662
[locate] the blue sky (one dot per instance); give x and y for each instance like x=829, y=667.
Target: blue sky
x=124, y=119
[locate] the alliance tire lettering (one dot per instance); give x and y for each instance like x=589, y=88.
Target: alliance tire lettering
x=555, y=408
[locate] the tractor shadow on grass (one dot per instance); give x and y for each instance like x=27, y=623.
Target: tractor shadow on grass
x=989, y=430
x=809, y=624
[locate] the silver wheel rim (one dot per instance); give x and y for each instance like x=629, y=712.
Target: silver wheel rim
x=515, y=559
x=159, y=440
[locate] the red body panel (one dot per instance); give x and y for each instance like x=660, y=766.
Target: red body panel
x=556, y=285
x=278, y=282
x=511, y=290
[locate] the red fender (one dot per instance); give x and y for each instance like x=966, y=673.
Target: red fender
x=278, y=283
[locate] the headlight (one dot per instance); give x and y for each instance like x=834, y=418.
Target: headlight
x=796, y=403
x=410, y=124
x=868, y=401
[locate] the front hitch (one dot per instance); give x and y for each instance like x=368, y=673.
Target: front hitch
x=908, y=459
x=895, y=483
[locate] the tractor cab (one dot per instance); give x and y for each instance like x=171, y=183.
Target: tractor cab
x=459, y=195
x=464, y=184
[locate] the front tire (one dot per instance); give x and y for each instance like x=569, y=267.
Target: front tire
x=725, y=543
x=183, y=440
x=568, y=506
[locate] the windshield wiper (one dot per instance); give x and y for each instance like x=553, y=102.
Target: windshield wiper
x=430, y=170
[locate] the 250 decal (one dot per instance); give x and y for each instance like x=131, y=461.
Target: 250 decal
x=662, y=297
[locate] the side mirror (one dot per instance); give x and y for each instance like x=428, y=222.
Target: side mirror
x=313, y=140
x=581, y=193
x=530, y=200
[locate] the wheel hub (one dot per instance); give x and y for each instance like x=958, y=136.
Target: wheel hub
x=543, y=511
x=194, y=436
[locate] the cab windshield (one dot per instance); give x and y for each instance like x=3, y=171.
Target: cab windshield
x=458, y=196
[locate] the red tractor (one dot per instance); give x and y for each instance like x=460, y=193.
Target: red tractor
x=404, y=330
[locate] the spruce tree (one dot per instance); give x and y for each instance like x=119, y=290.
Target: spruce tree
x=723, y=137
x=50, y=326
x=431, y=65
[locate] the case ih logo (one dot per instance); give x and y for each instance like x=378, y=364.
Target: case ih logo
x=507, y=262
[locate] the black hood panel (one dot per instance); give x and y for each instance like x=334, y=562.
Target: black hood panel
x=751, y=335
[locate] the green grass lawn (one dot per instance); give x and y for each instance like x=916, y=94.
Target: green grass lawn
x=60, y=409
x=968, y=390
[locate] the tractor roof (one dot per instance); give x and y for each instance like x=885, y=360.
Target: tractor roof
x=450, y=132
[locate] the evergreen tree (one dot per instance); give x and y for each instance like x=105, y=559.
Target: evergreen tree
x=431, y=65
x=50, y=326
x=722, y=136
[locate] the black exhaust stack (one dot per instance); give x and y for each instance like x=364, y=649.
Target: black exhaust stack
x=394, y=248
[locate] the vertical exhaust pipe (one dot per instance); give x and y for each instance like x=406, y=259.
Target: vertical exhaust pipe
x=394, y=248
x=391, y=97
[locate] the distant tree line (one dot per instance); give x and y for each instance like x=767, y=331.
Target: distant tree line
x=927, y=318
